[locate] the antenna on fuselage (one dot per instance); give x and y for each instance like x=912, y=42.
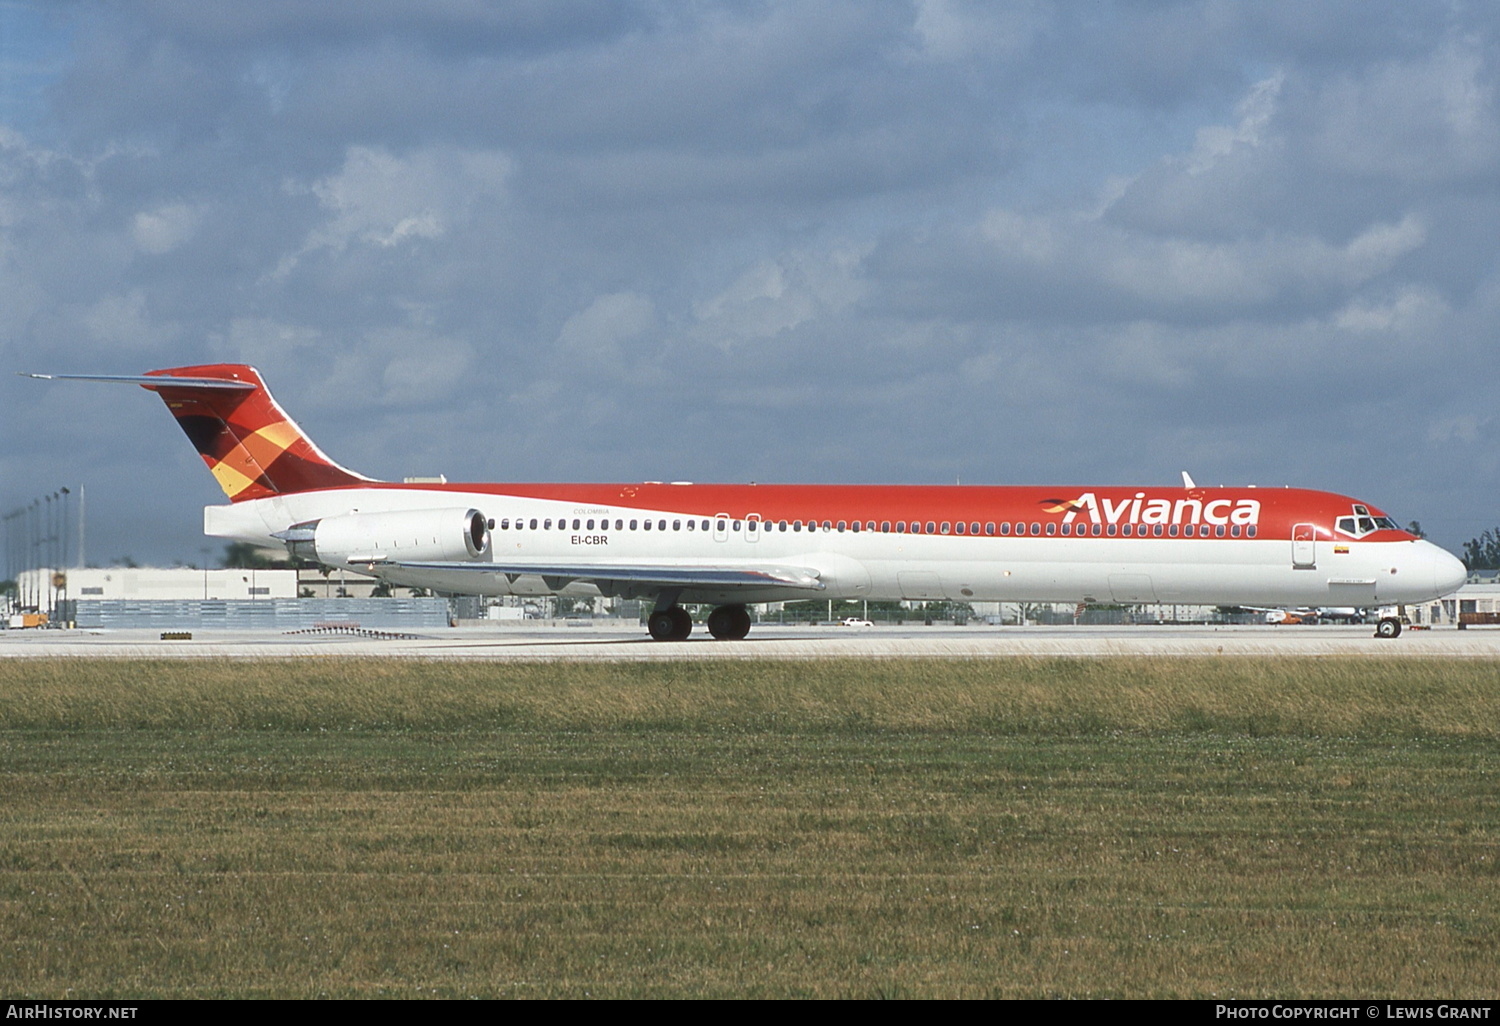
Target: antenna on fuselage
x=1187, y=480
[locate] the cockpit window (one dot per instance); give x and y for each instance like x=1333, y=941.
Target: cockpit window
x=1364, y=524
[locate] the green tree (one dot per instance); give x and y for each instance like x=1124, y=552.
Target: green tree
x=245, y=556
x=1415, y=527
x=1483, y=553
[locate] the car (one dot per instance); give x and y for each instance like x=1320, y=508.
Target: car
x=854, y=621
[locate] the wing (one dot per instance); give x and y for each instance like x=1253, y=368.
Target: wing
x=615, y=578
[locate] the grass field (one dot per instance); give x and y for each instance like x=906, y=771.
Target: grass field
x=1128, y=827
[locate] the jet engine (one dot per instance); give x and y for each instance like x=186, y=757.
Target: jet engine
x=422, y=535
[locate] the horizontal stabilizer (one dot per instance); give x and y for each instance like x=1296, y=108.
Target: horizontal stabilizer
x=151, y=382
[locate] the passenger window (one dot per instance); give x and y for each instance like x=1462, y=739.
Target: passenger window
x=931, y=527
x=533, y=523
x=960, y=527
x=1036, y=528
x=1126, y=530
x=634, y=525
x=692, y=525
x=796, y=525
x=1051, y=529
x=661, y=525
x=840, y=526
x=1219, y=531
x=901, y=527
x=1111, y=529
x=677, y=525
x=1250, y=531
x=947, y=527
x=590, y=526
x=1005, y=528
x=1156, y=530
x=505, y=524
x=734, y=525
x=547, y=524
x=885, y=527
x=647, y=525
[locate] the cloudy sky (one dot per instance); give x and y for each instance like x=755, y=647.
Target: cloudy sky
x=918, y=241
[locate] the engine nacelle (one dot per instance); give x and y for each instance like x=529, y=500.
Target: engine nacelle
x=422, y=535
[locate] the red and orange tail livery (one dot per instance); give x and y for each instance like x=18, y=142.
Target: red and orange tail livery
x=251, y=446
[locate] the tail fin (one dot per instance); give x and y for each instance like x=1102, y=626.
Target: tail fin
x=250, y=445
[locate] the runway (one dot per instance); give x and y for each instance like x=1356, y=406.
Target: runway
x=768, y=641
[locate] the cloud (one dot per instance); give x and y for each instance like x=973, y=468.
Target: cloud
x=1430, y=119
x=165, y=228
x=380, y=199
x=595, y=334
x=777, y=296
x=1165, y=276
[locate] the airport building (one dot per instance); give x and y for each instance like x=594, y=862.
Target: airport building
x=187, y=599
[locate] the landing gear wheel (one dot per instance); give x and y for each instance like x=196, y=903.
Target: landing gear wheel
x=1390, y=627
x=729, y=623
x=670, y=624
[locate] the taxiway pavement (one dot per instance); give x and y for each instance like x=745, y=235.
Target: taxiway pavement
x=767, y=641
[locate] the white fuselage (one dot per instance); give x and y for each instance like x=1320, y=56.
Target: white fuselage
x=854, y=564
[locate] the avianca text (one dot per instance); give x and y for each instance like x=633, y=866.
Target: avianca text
x=1142, y=510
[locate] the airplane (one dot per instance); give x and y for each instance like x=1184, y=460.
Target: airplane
x=732, y=545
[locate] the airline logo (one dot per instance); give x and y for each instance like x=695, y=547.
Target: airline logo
x=252, y=448
x=1143, y=509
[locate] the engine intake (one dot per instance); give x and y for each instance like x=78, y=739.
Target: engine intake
x=425, y=535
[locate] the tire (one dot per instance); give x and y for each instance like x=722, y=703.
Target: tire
x=1388, y=628
x=729, y=623
x=669, y=624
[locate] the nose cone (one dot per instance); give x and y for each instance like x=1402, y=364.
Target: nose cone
x=1447, y=572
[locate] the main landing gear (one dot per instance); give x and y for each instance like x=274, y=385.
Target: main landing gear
x=672, y=624
x=727, y=623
